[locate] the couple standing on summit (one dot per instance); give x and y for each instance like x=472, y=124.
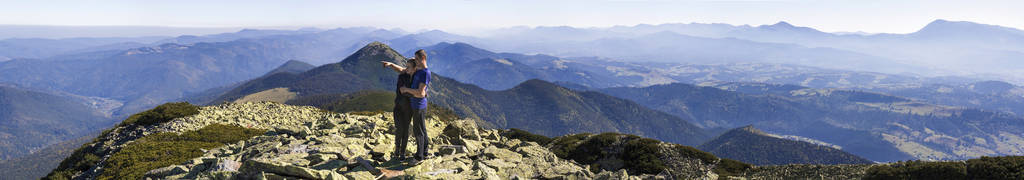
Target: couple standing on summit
x=411, y=105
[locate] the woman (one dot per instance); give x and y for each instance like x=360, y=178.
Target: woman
x=403, y=107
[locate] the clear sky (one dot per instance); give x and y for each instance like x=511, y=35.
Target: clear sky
x=875, y=16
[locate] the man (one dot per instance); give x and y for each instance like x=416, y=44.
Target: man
x=418, y=90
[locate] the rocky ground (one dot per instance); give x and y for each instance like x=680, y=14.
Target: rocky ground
x=305, y=142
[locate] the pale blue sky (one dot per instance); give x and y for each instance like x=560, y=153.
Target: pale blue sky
x=466, y=15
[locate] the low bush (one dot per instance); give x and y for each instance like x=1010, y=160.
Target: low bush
x=526, y=136
x=162, y=113
x=729, y=167
x=561, y=146
x=165, y=149
x=638, y=155
x=1007, y=167
x=641, y=156
x=918, y=170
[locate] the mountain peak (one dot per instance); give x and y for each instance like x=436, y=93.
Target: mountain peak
x=373, y=49
x=947, y=27
x=374, y=46
x=778, y=25
x=783, y=24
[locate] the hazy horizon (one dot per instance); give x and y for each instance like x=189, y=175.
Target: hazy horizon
x=472, y=17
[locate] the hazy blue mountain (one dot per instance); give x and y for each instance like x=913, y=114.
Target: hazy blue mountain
x=751, y=145
x=31, y=120
x=989, y=95
x=412, y=42
x=496, y=74
x=208, y=96
x=672, y=47
x=875, y=126
x=292, y=66
x=143, y=77
x=41, y=48
x=231, y=36
x=467, y=63
x=941, y=48
x=60, y=32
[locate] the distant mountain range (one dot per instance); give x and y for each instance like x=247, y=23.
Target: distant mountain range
x=875, y=126
x=750, y=145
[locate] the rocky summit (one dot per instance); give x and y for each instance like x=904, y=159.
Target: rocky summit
x=308, y=143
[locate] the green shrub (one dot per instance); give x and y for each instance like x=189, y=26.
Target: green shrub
x=526, y=136
x=729, y=167
x=162, y=113
x=165, y=149
x=1008, y=167
x=592, y=149
x=692, y=152
x=641, y=156
x=918, y=170
x=561, y=146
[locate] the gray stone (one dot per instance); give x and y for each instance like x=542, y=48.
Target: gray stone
x=167, y=171
x=227, y=165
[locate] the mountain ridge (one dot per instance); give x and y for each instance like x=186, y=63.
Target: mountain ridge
x=749, y=144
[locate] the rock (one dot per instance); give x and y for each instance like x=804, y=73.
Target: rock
x=505, y=154
x=166, y=171
x=227, y=165
x=333, y=164
x=485, y=172
x=613, y=175
x=464, y=128
x=319, y=158
x=452, y=149
x=360, y=175
x=283, y=169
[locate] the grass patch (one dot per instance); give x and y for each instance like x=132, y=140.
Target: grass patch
x=86, y=156
x=165, y=149
x=526, y=136
x=161, y=114
x=729, y=167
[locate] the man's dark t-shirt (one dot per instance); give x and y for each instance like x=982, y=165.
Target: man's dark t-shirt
x=421, y=76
